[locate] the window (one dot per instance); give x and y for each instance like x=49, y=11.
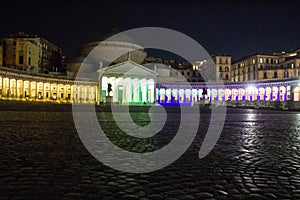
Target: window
x=188, y=73
x=14, y=43
x=265, y=75
x=292, y=66
x=194, y=74
x=21, y=60
x=226, y=61
x=260, y=60
x=253, y=61
x=226, y=69
x=29, y=60
x=220, y=60
x=275, y=74
x=286, y=74
x=220, y=69
x=182, y=73
x=226, y=76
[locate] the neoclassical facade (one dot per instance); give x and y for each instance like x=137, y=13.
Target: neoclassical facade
x=131, y=83
x=135, y=84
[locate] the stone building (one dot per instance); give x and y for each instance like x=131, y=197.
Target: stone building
x=267, y=66
x=31, y=53
x=223, y=67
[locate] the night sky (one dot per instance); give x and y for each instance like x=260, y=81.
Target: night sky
x=238, y=28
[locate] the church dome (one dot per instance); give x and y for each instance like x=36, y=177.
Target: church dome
x=110, y=49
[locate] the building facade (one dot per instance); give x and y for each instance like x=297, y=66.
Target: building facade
x=267, y=67
x=31, y=53
x=140, y=89
x=223, y=67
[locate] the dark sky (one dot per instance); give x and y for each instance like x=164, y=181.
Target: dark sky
x=238, y=28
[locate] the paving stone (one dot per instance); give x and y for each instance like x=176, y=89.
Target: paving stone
x=44, y=156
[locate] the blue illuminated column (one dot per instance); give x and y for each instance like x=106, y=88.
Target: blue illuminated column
x=265, y=94
x=278, y=94
x=244, y=94
x=271, y=94
x=285, y=93
x=197, y=94
x=191, y=95
x=184, y=95
x=158, y=95
x=165, y=95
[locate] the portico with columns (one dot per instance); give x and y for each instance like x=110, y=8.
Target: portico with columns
x=131, y=83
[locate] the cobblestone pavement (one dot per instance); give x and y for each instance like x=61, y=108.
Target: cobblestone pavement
x=257, y=157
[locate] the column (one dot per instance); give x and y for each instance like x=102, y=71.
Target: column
x=36, y=90
x=278, y=93
x=184, y=96
x=158, y=95
x=271, y=94
x=29, y=89
x=191, y=96
x=285, y=93
x=15, y=91
x=8, y=92
x=265, y=93
x=99, y=89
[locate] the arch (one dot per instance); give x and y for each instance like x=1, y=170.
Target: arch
x=228, y=94
x=33, y=90
x=261, y=94
x=283, y=93
x=60, y=92
x=53, y=91
x=40, y=90
x=47, y=91
x=12, y=88
x=20, y=88
x=221, y=94
x=26, y=89
x=241, y=94
x=67, y=89
x=275, y=93
x=296, y=94
x=268, y=94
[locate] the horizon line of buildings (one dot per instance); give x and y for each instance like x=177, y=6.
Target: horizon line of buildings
x=37, y=55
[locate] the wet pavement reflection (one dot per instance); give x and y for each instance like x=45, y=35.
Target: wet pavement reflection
x=256, y=157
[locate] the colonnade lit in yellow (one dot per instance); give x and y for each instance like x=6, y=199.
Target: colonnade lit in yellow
x=23, y=87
